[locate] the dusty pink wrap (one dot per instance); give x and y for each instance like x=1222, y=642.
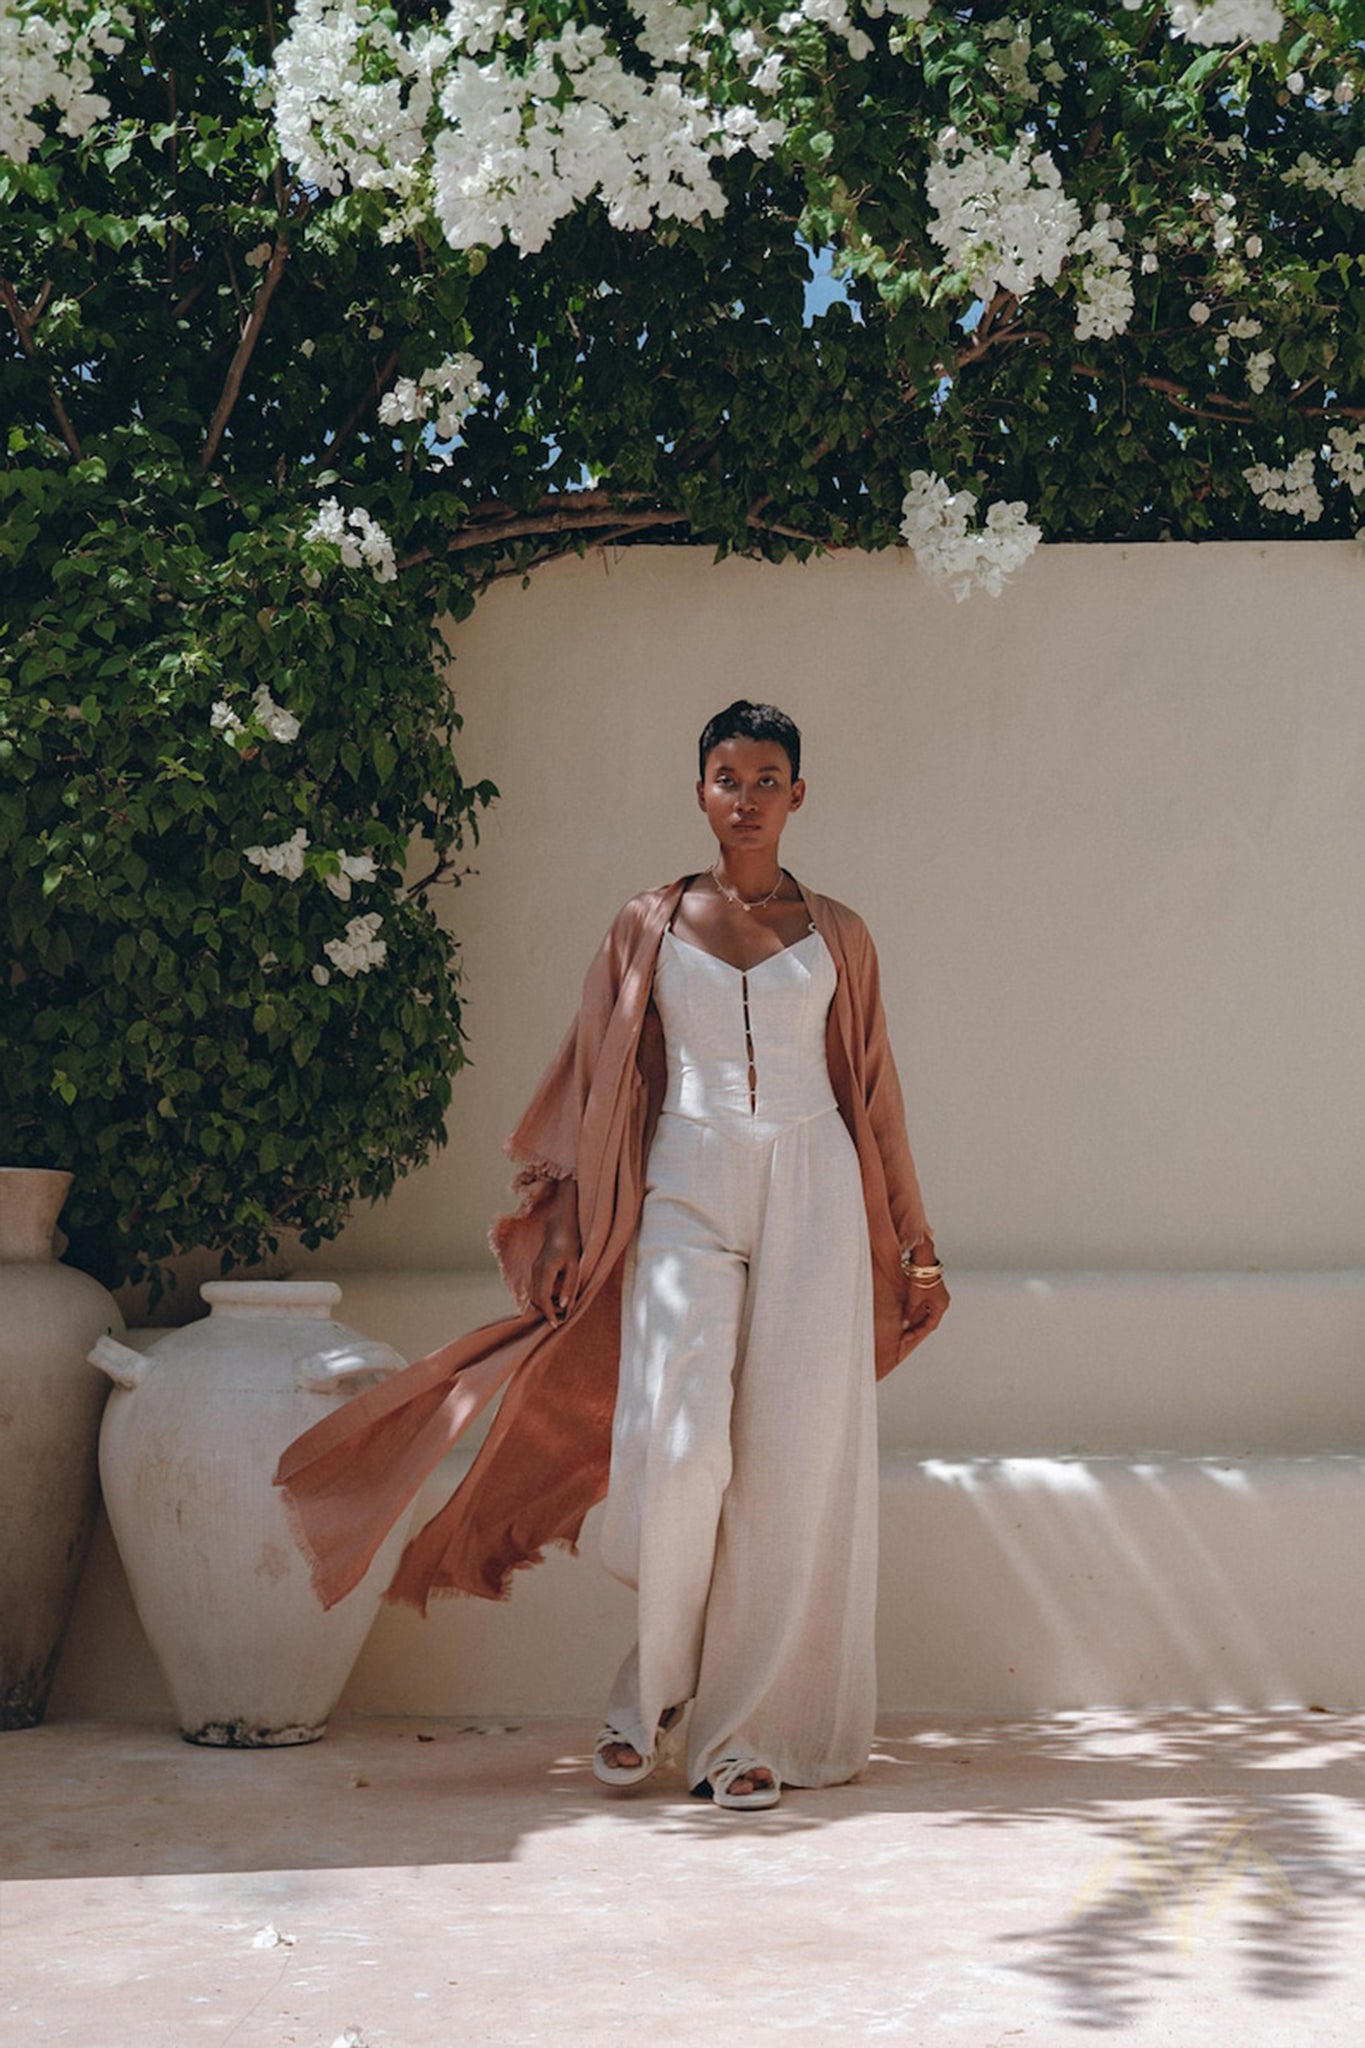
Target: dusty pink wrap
x=546, y=1458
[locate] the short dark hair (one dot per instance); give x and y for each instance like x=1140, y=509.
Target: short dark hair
x=745, y=721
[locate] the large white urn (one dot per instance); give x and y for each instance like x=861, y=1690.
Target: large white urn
x=191, y=1437
x=50, y=1405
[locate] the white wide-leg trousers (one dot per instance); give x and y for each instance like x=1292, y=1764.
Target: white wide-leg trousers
x=743, y=1495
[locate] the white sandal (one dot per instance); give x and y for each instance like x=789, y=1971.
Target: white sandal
x=728, y=1769
x=632, y=1774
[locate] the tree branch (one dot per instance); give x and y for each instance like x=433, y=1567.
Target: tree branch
x=984, y=344
x=375, y=390
x=23, y=327
x=232, y=384
x=548, y=519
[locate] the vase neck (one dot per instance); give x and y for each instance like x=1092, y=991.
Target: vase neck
x=31, y=1200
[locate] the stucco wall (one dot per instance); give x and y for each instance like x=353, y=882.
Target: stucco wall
x=1108, y=831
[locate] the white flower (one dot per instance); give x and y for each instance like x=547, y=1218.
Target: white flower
x=1149, y=262
x=261, y=254
x=224, y=719
x=1009, y=63
x=46, y=60
x=1105, y=287
x=285, y=859
x=405, y=401
x=1259, y=367
x=322, y=975
x=338, y=119
x=1343, y=92
x=1288, y=490
x=1344, y=181
x=1004, y=221
x=934, y=522
x=306, y=348
x=361, y=949
x=1243, y=328
x=504, y=152
x=412, y=398
x=1226, y=21
x=279, y=723
x=1253, y=246
x=1295, y=82
x=1199, y=312
x=1347, y=457
x=362, y=540
x=355, y=867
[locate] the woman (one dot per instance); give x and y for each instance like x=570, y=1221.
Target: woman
x=721, y=1245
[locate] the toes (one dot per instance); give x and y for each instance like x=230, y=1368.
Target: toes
x=760, y=1780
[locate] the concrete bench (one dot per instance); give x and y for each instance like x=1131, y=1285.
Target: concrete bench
x=1097, y=1488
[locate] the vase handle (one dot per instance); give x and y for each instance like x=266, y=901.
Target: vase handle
x=125, y=1367
x=349, y=1368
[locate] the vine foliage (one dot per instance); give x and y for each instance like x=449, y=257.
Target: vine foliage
x=1079, y=262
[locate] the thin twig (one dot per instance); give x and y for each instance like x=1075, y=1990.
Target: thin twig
x=974, y=353
x=445, y=863
x=23, y=327
x=232, y=384
x=787, y=532
x=375, y=390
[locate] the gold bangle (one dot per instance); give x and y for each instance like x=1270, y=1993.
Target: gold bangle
x=925, y=1276
x=908, y=1261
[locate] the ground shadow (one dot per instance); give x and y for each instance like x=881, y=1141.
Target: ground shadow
x=1240, y=1827
x=1151, y=1828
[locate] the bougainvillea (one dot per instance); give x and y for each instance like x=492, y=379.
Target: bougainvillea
x=318, y=318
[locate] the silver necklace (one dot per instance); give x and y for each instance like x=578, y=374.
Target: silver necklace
x=758, y=901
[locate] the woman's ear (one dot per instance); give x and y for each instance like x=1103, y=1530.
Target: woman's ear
x=701, y=796
x=798, y=793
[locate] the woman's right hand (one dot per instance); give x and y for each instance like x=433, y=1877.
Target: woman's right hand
x=554, y=1276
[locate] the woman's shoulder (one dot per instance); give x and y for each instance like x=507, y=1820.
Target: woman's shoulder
x=645, y=912
x=839, y=917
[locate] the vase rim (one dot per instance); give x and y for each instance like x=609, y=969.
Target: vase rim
x=275, y=1297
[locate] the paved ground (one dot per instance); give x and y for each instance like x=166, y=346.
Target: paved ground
x=1189, y=1879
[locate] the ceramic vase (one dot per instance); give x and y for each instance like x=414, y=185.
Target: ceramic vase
x=50, y=1407
x=191, y=1436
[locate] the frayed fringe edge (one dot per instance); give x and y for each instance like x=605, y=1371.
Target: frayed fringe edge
x=533, y=1171
x=293, y=1514
x=420, y=1604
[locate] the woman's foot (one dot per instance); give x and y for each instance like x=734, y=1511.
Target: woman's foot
x=620, y=1756
x=618, y=1762
x=744, y=1783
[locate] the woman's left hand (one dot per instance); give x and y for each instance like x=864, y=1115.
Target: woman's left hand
x=924, y=1310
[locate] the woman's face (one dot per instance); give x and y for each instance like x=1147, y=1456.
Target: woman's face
x=748, y=794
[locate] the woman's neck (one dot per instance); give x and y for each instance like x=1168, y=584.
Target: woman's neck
x=750, y=877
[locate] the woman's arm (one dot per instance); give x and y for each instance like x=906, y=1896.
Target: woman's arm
x=924, y=1304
